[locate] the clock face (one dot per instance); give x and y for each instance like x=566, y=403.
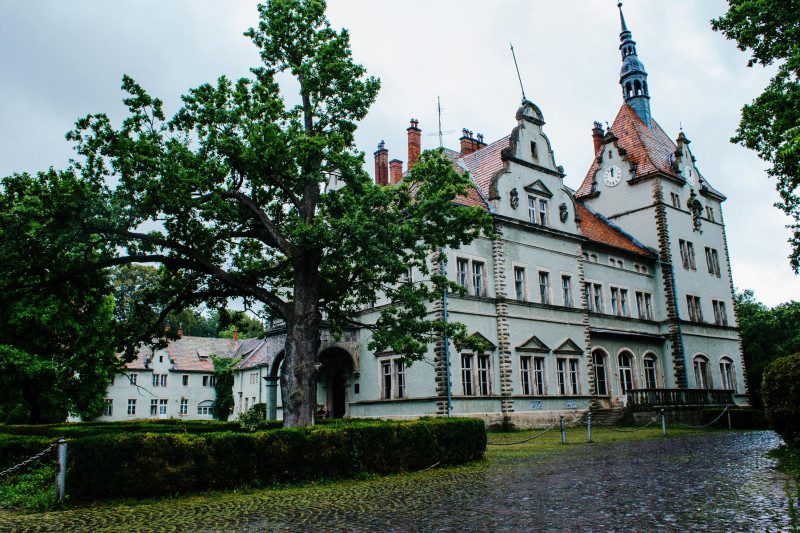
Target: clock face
x=688, y=173
x=612, y=176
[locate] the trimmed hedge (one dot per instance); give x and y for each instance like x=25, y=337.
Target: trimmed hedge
x=86, y=429
x=780, y=391
x=741, y=418
x=147, y=465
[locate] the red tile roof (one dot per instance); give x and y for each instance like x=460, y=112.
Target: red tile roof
x=484, y=163
x=190, y=354
x=596, y=229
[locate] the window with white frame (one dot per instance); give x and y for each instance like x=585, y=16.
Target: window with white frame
x=393, y=379
x=720, y=316
x=594, y=296
x=209, y=381
x=462, y=268
x=205, y=407
x=532, y=375
x=695, y=309
x=108, y=407
x=676, y=200
x=407, y=276
x=159, y=380
x=133, y=378
x=623, y=302
x=687, y=254
x=153, y=407
x=567, y=376
x=476, y=374
x=184, y=409
x=253, y=378
x=185, y=380
x=519, y=283
x=132, y=406
x=478, y=278
x=566, y=289
x=710, y=213
x=600, y=383
x=625, y=372
x=649, y=365
x=614, y=300
x=644, y=305
x=712, y=261
x=162, y=406
x=538, y=210
x=702, y=378
x=726, y=373
x=471, y=273
x=544, y=287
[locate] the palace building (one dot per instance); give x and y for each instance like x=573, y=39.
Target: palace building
x=615, y=295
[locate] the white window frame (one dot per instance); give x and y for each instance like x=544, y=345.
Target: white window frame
x=108, y=407
x=476, y=374
x=184, y=407
x=544, y=289
x=520, y=282
x=131, y=406
x=538, y=210
x=626, y=377
x=133, y=378
x=720, y=314
x=567, y=376
x=650, y=369
x=702, y=374
x=600, y=374
x=687, y=254
x=475, y=278
x=712, y=262
x=695, y=308
x=566, y=289
x=393, y=378
x=727, y=373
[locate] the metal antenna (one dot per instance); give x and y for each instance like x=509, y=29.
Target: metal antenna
x=439, y=108
x=517, y=67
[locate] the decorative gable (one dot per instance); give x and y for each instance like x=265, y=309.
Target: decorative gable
x=477, y=335
x=568, y=347
x=533, y=345
x=539, y=188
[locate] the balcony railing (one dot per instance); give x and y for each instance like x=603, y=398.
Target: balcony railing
x=673, y=397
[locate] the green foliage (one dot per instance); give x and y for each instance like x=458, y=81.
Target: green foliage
x=781, y=392
x=766, y=335
x=223, y=386
x=256, y=418
x=770, y=29
x=161, y=464
x=743, y=418
x=31, y=489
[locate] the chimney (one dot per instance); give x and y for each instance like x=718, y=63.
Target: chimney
x=597, y=136
x=235, y=334
x=395, y=171
x=413, y=143
x=180, y=330
x=382, y=164
x=467, y=142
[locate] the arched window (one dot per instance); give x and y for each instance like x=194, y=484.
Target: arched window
x=726, y=373
x=600, y=384
x=628, y=90
x=650, y=375
x=637, y=88
x=644, y=87
x=625, y=372
x=702, y=378
x=205, y=407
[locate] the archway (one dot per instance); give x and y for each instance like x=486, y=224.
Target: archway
x=336, y=367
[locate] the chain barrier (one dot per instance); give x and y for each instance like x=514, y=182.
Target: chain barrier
x=26, y=462
x=627, y=430
x=526, y=440
x=704, y=425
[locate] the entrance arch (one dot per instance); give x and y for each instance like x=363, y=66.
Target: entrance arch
x=336, y=367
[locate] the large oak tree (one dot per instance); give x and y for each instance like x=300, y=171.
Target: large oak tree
x=251, y=193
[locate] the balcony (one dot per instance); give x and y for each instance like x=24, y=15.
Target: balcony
x=649, y=398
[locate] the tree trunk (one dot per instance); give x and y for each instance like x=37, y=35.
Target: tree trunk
x=299, y=378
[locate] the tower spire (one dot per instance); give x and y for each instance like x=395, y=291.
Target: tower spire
x=633, y=77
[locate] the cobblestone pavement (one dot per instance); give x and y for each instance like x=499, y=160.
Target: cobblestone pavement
x=719, y=482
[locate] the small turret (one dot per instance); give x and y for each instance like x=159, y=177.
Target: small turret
x=633, y=77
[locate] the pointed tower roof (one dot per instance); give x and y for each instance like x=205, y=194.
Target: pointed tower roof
x=632, y=76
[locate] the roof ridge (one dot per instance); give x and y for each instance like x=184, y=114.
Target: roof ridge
x=613, y=226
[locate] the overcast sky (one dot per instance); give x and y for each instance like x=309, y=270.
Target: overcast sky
x=63, y=60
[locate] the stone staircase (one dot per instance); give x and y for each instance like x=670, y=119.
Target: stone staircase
x=607, y=417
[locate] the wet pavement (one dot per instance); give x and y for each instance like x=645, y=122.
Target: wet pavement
x=720, y=482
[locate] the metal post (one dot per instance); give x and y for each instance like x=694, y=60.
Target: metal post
x=729, y=419
x=589, y=428
x=61, y=476
x=563, y=431
x=446, y=344
x=663, y=425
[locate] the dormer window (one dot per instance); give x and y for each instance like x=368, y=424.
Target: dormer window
x=534, y=153
x=538, y=210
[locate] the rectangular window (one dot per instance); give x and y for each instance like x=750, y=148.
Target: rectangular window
x=726, y=373
x=544, y=287
x=466, y=374
x=695, y=311
x=566, y=289
x=386, y=370
x=598, y=298
x=649, y=372
x=406, y=278
x=156, y=379
x=108, y=407
x=561, y=374
x=133, y=378
x=648, y=305
x=478, y=278
x=132, y=407
x=538, y=375
x=519, y=283
x=687, y=254
x=676, y=200
x=400, y=377
x=543, y=212
x=710, y=213
x=210, y=381
x=712, y=261
x=184, y=407
x=532, y=209
x=525, y=373
x=393, y=379
x=162, y=407
x=623, y=302
x=720, y=316
x=461, y=272
x=538, y=210
x=587, y=289
x=614, y=301
x=483, y=375
x=163, y=380
x=573, y=376
x=153, y=407
x=185, y=380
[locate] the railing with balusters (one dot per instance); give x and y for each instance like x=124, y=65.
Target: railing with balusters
x=677, y=397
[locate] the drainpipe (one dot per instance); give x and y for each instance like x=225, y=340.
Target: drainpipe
x=446, y=345
x=678, y=316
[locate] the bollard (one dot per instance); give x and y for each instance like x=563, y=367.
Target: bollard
x=563, y=431
x=589, y=427
x=663, y=425
x=61, y=476
x=729, y=419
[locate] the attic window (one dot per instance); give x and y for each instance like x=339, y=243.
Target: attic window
x=160, y=358
x=534, y=153
x=202, y=355
x=610, y=154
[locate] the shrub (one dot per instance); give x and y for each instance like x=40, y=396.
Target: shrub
x=741, y=418
x=146, y=465
x=780, y=392
x=255, y=419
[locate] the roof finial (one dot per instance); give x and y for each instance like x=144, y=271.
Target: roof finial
x=518, y=76
x=621, y=18
x=681, y=126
